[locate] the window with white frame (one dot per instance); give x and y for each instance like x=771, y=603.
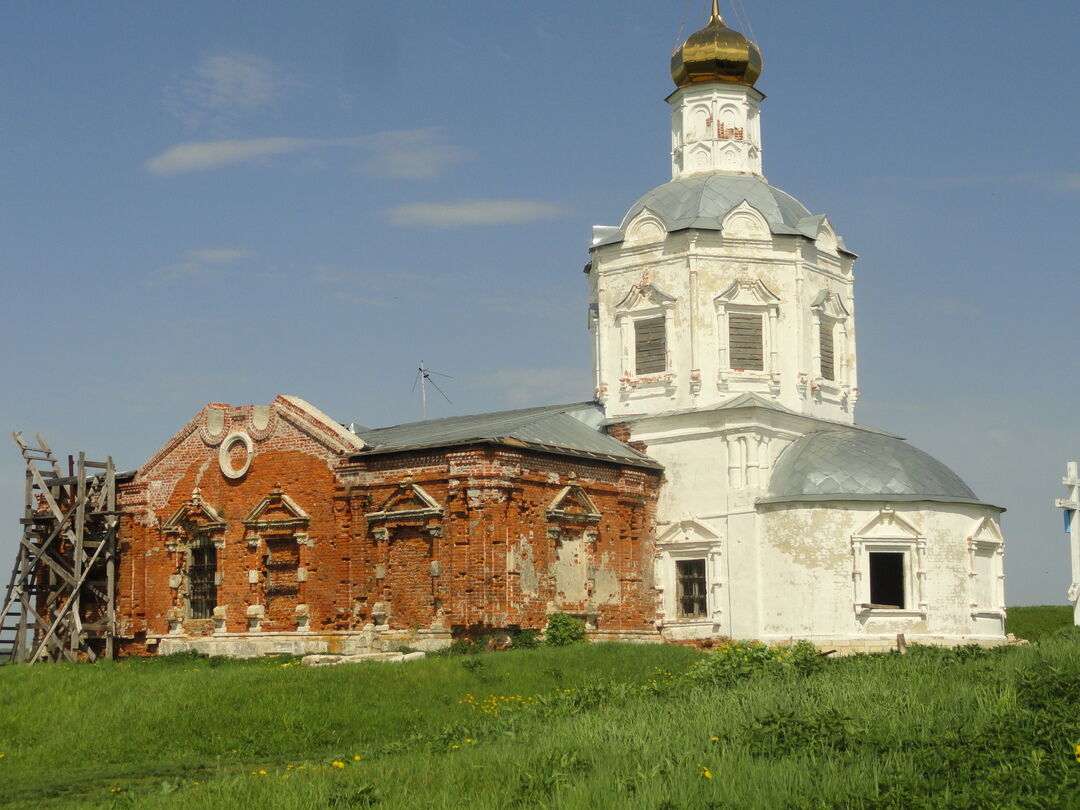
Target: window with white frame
x=888, y=563
x=830, y=321
x=747, y=312
x=690, y=589
x=650, y=345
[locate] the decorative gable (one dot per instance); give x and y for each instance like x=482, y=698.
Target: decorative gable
x=689, y=533
x=643, y=295
x=408, y=501
x=745, y=222
x=573, y=504
x=646, y=227
x=887, y=525
x=194, y=517
x=277, y=512
x=747, y=292
x=986, y=533
x=830, y=304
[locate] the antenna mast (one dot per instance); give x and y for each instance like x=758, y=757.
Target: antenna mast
x=423, y=376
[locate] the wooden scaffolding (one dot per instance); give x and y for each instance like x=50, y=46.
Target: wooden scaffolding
x=60, y=602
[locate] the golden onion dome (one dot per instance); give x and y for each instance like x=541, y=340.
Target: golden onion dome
x=716, y=53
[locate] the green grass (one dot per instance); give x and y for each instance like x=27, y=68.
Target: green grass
x=1038, y=622
x=589, y=726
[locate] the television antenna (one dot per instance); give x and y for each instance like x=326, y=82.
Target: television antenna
x=423, y=376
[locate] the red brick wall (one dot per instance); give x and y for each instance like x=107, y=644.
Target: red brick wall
x=485, y=556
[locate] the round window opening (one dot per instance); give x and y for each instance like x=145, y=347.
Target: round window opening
x=235, y=454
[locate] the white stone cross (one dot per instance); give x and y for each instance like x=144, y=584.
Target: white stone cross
x=1071, y=505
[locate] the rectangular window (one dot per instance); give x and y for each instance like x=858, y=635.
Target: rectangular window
x=202, y=578
x=828, y=367
x=887, y=579
x=745, y=345
x=984, y=578
x=650, y=346
x=690, y=576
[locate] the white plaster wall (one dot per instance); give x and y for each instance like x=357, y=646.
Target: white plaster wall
x=696, y=143
x=810, y=573
x=686, y=275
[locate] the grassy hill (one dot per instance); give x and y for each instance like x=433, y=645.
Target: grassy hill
x=589, y=726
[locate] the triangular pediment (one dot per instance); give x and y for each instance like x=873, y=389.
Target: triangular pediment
x=573, y=503
x=986, y=531
x=689, y=532
x=408, y=501
x=748, y=292
x=194, y=516
x=887, y=525
x=276, y=510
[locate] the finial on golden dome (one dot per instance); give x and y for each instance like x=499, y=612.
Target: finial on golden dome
x=716, y=53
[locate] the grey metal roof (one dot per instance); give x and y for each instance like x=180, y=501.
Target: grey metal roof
x=856, y=465
x=704, y=200
x=571, y=429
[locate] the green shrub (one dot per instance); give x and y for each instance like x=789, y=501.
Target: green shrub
x=737, y=660
x=525, y=640
x=564, y=630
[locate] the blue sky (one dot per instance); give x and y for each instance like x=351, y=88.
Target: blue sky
x=217, y=201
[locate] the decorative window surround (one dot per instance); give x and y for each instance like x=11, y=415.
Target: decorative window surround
x=829, y=311
x=888, y=532
x=194, y=525
x=752, y=297
x=643, y=301
x=986, y=542
x=689, y=540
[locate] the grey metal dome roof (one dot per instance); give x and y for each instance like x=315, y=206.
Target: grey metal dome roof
x=856, y=465
x=704, y=200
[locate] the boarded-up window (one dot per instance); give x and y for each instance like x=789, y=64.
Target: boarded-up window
x=202, y=577
x=690, y=576
x=984, y=578
x=282, y=581
x=828, y=366
x=745, y=344
x=650, y=346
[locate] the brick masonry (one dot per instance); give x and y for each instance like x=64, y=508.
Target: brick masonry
x=322, y=547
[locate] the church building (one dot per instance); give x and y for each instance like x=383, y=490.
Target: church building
x=716, y=484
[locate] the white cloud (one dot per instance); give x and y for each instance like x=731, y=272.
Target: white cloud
x=413, y=154
x=199, y=155
x=224, y=85
x=201, y=263
x=468, y=213
x=220, y=255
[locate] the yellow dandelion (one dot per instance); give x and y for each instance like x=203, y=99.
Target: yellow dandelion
x=1076, y=751
x=705, y=772
x=357, y=757
x=714, y=739
x=288, y=767
x=2, y=755
x=338, y=763
x=455, y=746
x=196, y=783
x=262, y=772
